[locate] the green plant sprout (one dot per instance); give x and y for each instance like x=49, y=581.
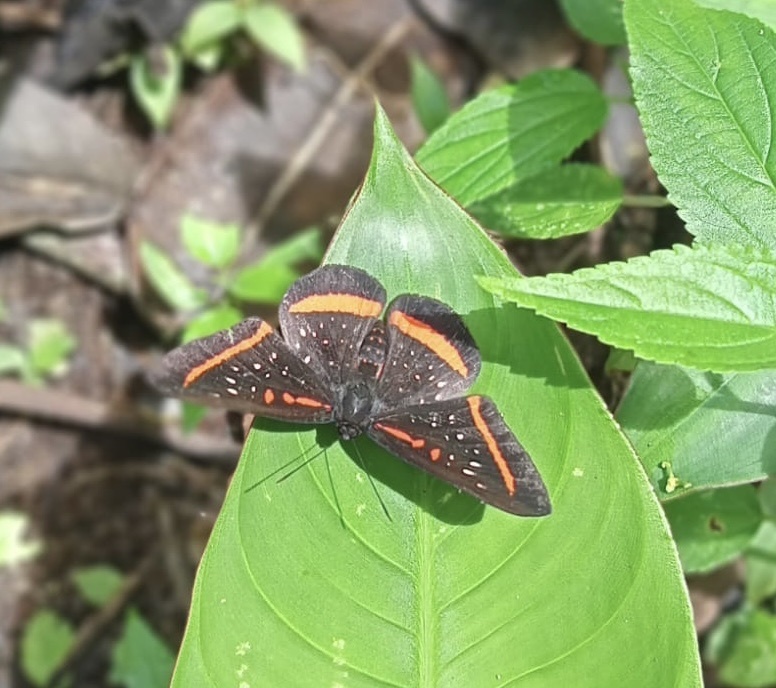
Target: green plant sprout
x=212, y=28
x=49, y=345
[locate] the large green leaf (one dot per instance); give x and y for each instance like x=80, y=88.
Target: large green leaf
x=705, y=82
x=764, y=10
x=713, y=429
x=712, y=308
x=556, y=202
x=308, y=583
x=513, y=132
x=714, y=527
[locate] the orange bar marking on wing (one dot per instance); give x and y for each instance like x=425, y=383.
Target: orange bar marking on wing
x=310, y=403
x=435, y=453
x=490, y=441
x=269, y=396
x=338, y=303
x=429, y=337
x=415, y=443
x=248, y=343
x=290, y=399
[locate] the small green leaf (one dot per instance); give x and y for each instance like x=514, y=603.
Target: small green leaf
x=13, y=547
x=268, y=280
x=760, y=558
x=141, y=659
x=208, y=59
x=12, y=359
x=45, y=641
x=275, y=30
x=263, y=283
x=169, y=281
x=306, y=245
x=211, y=321
x=764, y=10
x=713, y=429
x=513, y=132
x=156, y=86
x=208, y=24
x=212, y=243
x=713, y=527
x=598, y=20
x=704, y=83
x=191, y=415
x=620, y=360
x=767, y=494
x=97, y=584
x=743, y=648
x=429, y=97
x=50, y=345
x=712, y=308
x=556, y=202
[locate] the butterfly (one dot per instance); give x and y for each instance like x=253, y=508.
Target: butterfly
x=401, y=379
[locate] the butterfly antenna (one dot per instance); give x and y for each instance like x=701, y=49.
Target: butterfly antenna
x=284, y=467
x=334, y=492
x=298, y=468
x=371, y=482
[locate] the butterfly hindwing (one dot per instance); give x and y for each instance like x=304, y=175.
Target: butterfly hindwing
x=326, y=315
x=466, y=442
x=431, y=355
x=246, y=368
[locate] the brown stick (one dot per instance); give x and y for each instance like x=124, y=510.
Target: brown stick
x=93, y=627
x=301, y=159
x=69, y=409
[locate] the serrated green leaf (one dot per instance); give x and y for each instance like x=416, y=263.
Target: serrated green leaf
x=46, y=640
x=211, y=321
x=713, y=429
x=764, y=10
x=761, y=564
x=743, y=648
x=156, y=84
x=443, y=592
x=274, y=29
x=429, y=98
x=50, y=344
x=14, y=548
x=12, y=359
x=212, y=243
x=713, y=527
x=512, y=132
x=141, y=659
x=704, y=83
x=556, y=202
x=598, y=20
x=209, y=23
x=169, y=281
x=711, y=308
x=97, y=584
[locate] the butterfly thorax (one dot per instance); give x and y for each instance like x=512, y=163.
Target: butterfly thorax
x=353, y=409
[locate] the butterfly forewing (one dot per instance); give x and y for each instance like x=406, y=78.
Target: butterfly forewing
x=246, y=368
x=466, y=442
x=326, y=315
x=431, y=355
